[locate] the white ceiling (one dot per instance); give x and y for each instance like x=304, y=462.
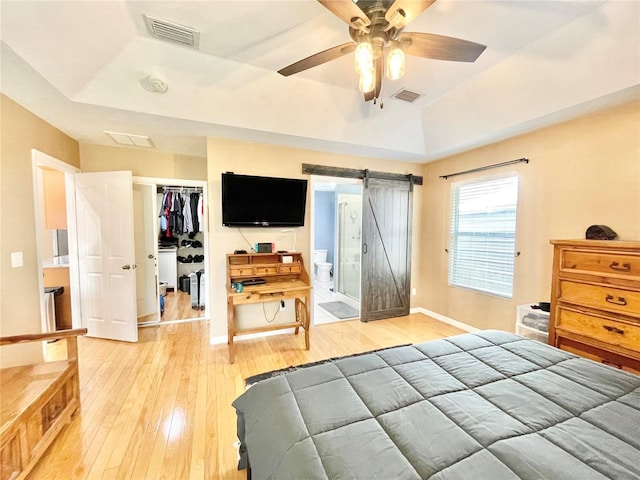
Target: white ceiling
x=82, y=65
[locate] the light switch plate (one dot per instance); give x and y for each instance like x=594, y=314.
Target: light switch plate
x=17, y=260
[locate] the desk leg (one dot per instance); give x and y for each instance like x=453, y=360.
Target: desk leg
x=230, y=331
x=298, y=315
x=307, y=321
x=302, y=315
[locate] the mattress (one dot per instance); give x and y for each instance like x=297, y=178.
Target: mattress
x=487, y=405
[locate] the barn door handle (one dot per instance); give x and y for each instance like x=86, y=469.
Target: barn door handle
x=626, y=267
x=364, y=248
x=618, y=301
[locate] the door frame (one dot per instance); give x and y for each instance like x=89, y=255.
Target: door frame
x=314, y=180
x=40, y=159
x=181, y=182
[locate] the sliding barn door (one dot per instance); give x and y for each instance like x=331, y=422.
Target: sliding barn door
x=386, y=249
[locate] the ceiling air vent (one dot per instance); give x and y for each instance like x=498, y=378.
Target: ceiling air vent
x=172, y=32
x=407, y=95
x=130, y=139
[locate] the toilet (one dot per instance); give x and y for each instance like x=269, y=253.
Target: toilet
x=323, y=268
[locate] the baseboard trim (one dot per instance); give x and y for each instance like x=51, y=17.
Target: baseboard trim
x=248, y=336
x=445, y=319
x=441, y=318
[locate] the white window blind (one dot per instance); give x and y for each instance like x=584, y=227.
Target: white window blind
x=483, y=233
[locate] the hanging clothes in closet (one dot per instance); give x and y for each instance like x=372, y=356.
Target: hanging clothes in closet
x=181, y=212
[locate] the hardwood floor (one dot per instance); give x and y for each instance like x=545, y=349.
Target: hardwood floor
x=177, y=306
x=161, y=408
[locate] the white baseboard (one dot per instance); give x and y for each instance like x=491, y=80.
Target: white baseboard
x=450, y=321
x=444, y=319
x=248, y=336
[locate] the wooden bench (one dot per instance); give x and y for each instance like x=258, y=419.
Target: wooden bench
x=37, y=402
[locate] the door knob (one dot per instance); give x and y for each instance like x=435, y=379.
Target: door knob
x=126, y=267
x=151, y=256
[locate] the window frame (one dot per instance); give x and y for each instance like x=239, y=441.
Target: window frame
x=451, y=280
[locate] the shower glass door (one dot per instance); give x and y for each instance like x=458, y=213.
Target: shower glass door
x=349, y=235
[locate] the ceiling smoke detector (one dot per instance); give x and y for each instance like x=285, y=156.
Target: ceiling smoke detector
x=156, y=84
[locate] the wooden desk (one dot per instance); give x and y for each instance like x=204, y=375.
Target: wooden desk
x=282, y=281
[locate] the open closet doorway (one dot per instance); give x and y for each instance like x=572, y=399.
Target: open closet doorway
x=172, y=244
x=336, y=247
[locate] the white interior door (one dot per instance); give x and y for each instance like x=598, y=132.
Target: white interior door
x=104, y=203
x=148, y=304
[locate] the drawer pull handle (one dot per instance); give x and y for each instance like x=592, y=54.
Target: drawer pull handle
x=611, y=329
x=619, y=301
x=611, y=364
x=626, y=267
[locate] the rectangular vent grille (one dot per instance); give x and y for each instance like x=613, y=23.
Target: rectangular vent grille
x=172, y=31
x=130, y=139
x=407, y=95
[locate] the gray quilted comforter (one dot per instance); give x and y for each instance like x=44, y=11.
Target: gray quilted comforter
x=489, y=405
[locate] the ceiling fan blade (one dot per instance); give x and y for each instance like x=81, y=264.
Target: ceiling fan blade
x=408, y=11
x=318, y=59
x=347, y=11
x=440, y=47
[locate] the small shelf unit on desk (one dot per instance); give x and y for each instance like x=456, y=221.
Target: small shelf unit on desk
x=284, y=278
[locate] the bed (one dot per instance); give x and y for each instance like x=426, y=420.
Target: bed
x=486, y=405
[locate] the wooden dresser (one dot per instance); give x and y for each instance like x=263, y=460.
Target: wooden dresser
x=595, y=301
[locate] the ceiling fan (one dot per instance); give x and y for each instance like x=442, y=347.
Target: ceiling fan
x=377, y=28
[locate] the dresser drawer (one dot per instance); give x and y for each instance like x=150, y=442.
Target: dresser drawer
x=601, y=263
x=605, y=357
x=290, y=268
x=602, y=297
x=266, y=270
x=241, y=271
x=606, y=330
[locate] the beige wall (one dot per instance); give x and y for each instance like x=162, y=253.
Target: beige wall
x=20, y=131
x=143, y=163
x=266, y=160
x=582, y=172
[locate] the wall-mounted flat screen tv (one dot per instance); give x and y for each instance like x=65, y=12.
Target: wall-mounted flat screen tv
x=251, y=201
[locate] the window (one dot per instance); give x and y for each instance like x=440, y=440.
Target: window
x=483, y=234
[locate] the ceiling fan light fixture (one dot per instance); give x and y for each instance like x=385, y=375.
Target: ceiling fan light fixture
x=395, y=63
x=367, y=80
x=364, y=57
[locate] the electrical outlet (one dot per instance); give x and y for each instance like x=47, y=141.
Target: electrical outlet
x=281, y=305
x=413, y=291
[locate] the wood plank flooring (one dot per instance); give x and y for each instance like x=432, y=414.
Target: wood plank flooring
x=177, y=306
x=161, y=408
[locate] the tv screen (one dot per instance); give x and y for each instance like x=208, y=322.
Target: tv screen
x=250, y=201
